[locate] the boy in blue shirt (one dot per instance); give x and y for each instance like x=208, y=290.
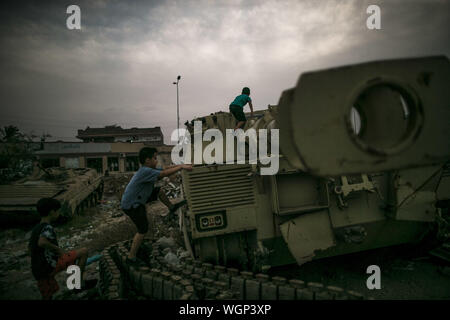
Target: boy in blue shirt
x=237, y=107
x=140, y=190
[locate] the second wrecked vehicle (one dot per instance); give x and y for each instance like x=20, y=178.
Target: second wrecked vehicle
x=76, y=189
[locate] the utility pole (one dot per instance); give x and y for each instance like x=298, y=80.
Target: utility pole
x=178, y=109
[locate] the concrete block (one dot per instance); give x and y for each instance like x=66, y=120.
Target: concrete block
x=177, y=291
x=286, y=293
x=279, y=281
x=337, y=293
x=304, y=294
x=298, y=284
x=199, y=270
x=262, y=277
x=323, y=295
x=167, y=290
x=189, y=268
x=211, y=275
x=268, y=291
x=135, y=278
x=354, y=295
x=237, y=286
x=157, y=287
x=252, y=289
x=147, y=284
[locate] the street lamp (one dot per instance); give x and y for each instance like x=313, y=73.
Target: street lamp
x=178, y=109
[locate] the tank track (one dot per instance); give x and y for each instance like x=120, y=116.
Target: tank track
x=194, y=280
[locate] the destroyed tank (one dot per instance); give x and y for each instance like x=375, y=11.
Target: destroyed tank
x=363, y=163
x=76, y=189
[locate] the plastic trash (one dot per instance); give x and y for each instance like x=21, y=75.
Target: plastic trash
x=183, y=254
x=93, y=259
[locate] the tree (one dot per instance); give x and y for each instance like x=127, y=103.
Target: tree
x=44, y=137
x=16, y=154
x=11, y=134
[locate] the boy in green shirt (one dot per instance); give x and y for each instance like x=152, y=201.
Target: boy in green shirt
x=237, y=107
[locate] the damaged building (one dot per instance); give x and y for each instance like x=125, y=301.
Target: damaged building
x=116, y=157
x=116, y=133
x=112, y=148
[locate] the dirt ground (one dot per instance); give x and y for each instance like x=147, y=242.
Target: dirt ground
x=405, y=272
x=95, y=229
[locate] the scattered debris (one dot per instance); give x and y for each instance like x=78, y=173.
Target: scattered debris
x=171, y=258
x=442, y=252
x=403, y=265
x=182, y=254
x=166, y=242
x=115, y=184
x=420, y=258
x=444, y=270
x=171, y=186
x=112, y=207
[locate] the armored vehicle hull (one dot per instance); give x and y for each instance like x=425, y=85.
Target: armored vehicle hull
x=76, y=189
x=363, y=164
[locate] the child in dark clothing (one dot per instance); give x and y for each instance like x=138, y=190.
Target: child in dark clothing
x=47, y=259
x=237, y=107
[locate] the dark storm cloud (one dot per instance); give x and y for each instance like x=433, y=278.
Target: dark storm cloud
x=119, y=68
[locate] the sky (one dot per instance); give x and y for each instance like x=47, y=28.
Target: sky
x=120, y=67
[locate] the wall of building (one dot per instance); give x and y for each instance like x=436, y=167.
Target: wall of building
x=102, y=156
x=74, y=148
x=125, y=147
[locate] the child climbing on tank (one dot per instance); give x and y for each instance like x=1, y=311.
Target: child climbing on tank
x=141, y=190
x=237, y=107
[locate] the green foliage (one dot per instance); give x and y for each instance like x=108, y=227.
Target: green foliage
x=16, y=154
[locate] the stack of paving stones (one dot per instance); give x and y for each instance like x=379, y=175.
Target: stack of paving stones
x=111, y=281
x=194, y=280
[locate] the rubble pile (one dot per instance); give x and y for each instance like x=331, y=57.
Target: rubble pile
x=115, y=184
x=15, y=239
x=76, y=237
x=111, y=207
x=172, y=250
x=171, y=186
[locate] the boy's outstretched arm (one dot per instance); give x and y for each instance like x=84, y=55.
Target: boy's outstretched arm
x=44, y=243
x=172, y=170
x=251, y=107
x=170, y=167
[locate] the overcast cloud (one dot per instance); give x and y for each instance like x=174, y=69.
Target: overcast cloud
x=119, y=68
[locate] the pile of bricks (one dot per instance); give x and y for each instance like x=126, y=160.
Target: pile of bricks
x=111, y=281
x=195, y=280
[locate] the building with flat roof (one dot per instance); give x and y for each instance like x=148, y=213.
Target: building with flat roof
x=116, y=133
x=114, y=157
